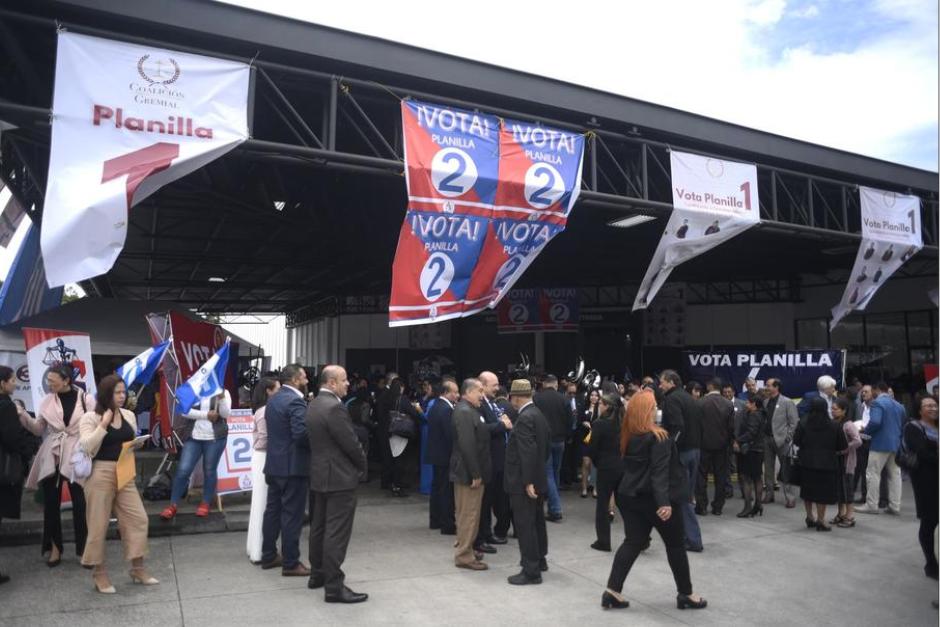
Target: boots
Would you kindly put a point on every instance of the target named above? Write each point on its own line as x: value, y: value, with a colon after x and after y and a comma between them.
x: 748, y: 507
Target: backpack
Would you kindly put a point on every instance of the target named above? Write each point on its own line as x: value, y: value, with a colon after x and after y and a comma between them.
x: 904, y: 457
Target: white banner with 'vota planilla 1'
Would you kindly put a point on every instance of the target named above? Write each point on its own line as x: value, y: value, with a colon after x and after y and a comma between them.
x: 127, y: 120
x: 713, y: 201
x: 891, y: 235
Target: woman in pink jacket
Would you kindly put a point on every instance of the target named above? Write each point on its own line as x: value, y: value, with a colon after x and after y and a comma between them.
x: 58, y: 417
x: 840, y: 413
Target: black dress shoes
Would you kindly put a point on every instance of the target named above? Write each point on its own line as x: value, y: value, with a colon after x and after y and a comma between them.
x: 345, y: 596
x: 524, y: 580
x: 485, y: 548
x: 498, y: 540
x: 685, y: 602
x: 315, y: 582
x: 550, y: 517
x: 543, y: 565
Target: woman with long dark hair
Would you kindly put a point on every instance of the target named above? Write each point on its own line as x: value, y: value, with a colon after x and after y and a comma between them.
x: 105, y: 433
x: 59, y: 413
x: 841, y: 413
x: 604, y: 451
x: 819, y: 440
x: 652, y: 488
x: 588, y: 416
x: 264, y: 389
x: 749, y: 446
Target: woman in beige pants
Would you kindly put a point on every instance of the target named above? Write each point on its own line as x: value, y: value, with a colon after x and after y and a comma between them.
x: 103, y: 434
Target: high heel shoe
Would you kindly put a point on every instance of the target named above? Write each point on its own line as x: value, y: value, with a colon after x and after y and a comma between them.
x: 821, y: 526
x: 835, y: 521
x: 757, y: 511
x: 810, y: 522
x: 102, y: 583
x: 141, y: 576
x: 52, y: 563
x: 685, y: 602
x: 611, y: 601
x: 748, y: 508
x: 583, y: 494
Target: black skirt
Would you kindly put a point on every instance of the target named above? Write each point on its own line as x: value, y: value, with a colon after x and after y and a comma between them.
x: 751, y: 465
x: 819, y: 486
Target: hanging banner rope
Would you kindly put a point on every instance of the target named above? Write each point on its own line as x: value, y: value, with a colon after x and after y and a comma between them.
x: 451, y: 167
x: 539, y: 182
x: 891, y: 235
x: 714, y: 200
x: 127, y: 120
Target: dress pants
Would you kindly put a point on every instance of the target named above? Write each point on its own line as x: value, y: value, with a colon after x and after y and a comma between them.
x: 103, y: 498
x: 693, y: 533
x: 861, y: 466
x: 529, y: 522
x: 52, y: 514
x: 607, y: 483
x: 284, y: 515
x: 715, y: 462
x: 442, y: 501
x: 467, y: 502
x: 639, y: 518
x: 259, y: 499
x: 771, y: 455
x: 331, y: 522
x: 495, y: 505
x: 876, y: 461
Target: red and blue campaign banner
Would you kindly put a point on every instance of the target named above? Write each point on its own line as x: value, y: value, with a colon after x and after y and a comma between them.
x: 547, y: 309
x: 539, y: 182
x: 451, y: 168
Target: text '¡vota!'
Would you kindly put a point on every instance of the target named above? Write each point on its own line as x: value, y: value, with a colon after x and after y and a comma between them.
x: 761, y: 360
x: 172, y: 125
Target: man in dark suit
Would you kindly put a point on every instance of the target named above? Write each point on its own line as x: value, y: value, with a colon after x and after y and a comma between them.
x: 528, y: 451
x: 440, y: 447
x: 717, y: 435
x: 682, y: 418
x: 337, y: 463
x: 495, y: 502
x: 286, y: 469
x: 552, y: 405
x: 469, y: 470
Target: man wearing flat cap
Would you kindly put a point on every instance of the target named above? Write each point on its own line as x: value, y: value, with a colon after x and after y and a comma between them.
x: 526, y: 483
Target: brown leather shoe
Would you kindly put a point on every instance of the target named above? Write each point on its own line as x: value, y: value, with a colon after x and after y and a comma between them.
x: 473, y: 565
x: 297, y: 571
x: 277, y: 561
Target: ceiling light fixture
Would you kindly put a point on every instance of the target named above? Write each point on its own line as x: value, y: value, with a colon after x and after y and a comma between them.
x: 626, y: 223
x: 216, y: 279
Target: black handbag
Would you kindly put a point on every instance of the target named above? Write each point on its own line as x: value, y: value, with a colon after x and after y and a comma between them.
x: 790, y: 468
x: 402, y: 425
x: 11, y: 468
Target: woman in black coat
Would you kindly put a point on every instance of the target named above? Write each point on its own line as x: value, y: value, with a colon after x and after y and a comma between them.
x: 920, y: 437
x: 653, y: 486
x: 749, y: 446
x: 819, y: 440
x: 18, y: 445
x: 604, y: 452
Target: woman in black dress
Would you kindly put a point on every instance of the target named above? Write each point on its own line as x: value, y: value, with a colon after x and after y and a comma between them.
x: 920, y: 437
x: 819, y: 440
x: 653, y: 487
x: 588, y: 416
x: 604, y: 451
x: 749, y: 445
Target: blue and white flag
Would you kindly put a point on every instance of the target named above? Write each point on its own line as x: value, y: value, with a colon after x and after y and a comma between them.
x: 141, y: 369
x: 206, y: 382
x: 24, y: 291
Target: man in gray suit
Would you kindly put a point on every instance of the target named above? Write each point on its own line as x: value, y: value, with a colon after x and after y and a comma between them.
x: 337, y: 462
x: 782, y: 418
x: 470, y: 469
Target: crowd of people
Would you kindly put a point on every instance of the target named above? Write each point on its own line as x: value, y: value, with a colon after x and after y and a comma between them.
x: 497, y: 454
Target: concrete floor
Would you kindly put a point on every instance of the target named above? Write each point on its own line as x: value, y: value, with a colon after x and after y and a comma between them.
x: 767, y: 571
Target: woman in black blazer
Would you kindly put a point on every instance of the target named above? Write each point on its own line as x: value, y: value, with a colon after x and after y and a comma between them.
x: 652, y: 488
x: 819, y: 439
x: 604, y: 451
x: 749, y: 445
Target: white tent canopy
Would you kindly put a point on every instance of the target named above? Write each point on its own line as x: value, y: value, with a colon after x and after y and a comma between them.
x: 116, y: 327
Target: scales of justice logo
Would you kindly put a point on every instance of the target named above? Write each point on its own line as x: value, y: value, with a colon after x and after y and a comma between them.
x: 159, y: 70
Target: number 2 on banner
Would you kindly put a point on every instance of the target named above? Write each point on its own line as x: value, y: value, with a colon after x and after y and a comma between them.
x: 544, y: 185
x: 241, y: 451
x: 436, y: 276
x: 505, y: 272
x: 453, y: 172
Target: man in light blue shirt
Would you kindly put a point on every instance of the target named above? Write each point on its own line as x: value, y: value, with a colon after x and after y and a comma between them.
x: 885, y: 424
